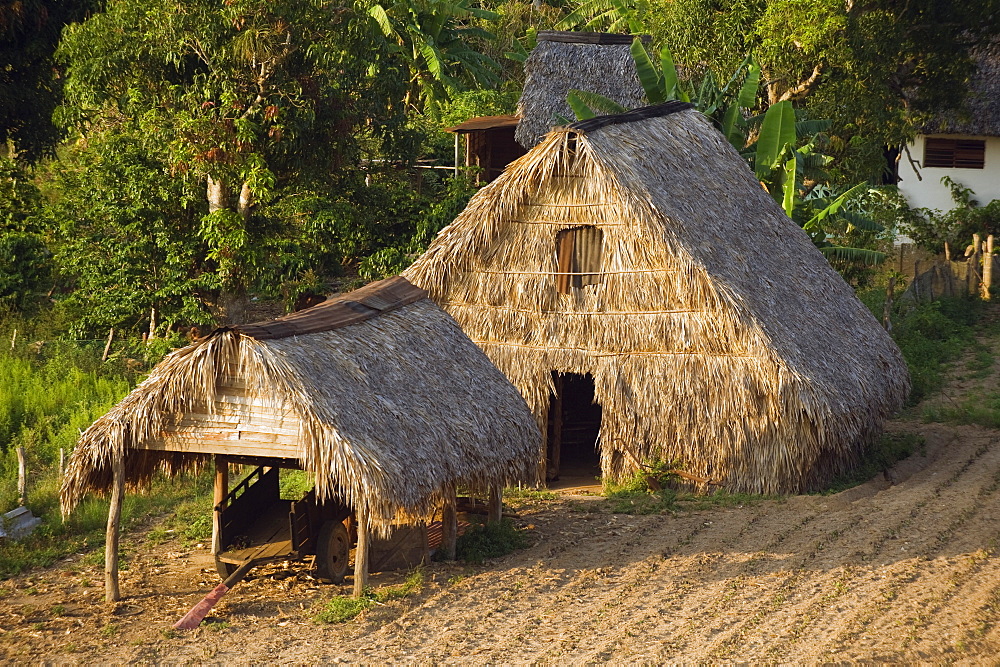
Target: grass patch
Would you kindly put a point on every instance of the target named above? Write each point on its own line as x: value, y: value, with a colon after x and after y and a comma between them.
x: 888, y: 450
x: 635, y: 497
x: 932, y: 335
x: 490, y: 540
x: 983, y: 410
x: 528, y: 493
x: 343, y: 608
x: 83, y: 530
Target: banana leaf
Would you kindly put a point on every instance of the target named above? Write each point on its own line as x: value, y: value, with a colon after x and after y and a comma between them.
x: 777, y: 131
x: 651, y: 80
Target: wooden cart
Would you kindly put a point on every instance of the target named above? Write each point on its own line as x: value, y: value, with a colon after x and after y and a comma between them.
x: 255, y: 525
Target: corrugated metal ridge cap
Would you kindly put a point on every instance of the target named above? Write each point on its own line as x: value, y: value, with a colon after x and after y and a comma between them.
x: 340, y: 311
x: 572, y: 37
x: 485, y: 123
x: 642, y: 113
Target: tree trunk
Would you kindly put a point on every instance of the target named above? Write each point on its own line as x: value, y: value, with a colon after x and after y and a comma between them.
x: 217, y: 194
x: 246, y: 201
x: 231, y: 307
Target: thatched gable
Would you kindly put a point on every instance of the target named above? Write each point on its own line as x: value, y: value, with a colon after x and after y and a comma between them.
x: 378, y: 392
x: 717, y: 336
x: 595, y: 62
x: 982, y: 114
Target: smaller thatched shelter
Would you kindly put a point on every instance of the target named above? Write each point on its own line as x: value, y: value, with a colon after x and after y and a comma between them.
x: 378, y: 393
x: 562, y: 61
x: 489, y: 144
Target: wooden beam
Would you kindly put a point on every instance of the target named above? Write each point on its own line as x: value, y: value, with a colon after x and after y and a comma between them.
x: 111, y: 590
x: 449, y: 524
x: 219, y: 491
x: 361, y: 559
x: 495, y: 504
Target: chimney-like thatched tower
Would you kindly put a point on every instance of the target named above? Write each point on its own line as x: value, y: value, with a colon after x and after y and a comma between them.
x: 562, y: 61
x: 636, y: 256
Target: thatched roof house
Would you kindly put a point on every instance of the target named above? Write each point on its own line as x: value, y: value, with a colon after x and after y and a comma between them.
x: 378, y: 393
x: 562, y: 61
x: 638, y: 253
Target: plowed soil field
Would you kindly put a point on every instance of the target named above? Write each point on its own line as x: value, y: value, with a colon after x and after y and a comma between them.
x: 902, y: 568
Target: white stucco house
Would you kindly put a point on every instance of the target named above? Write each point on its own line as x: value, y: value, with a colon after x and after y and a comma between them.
x: 965, y: 148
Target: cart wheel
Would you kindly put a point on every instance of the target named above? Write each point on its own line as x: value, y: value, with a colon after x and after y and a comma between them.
x: 333, y: 551
x: 224, y: 569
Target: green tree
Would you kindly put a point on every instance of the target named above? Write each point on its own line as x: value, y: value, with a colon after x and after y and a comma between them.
x: 126, y: 237
x: 24, y: 257
x: 432, y: 37
x: 30, y: 80
x: 244, y: 99
x: 876, y: 69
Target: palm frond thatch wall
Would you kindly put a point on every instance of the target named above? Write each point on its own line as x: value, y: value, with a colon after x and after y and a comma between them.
x: 390, y: 410
x: 555, y: 67
x: 718, y: 337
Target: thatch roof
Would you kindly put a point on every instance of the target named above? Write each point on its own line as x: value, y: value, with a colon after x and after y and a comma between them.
x: 982, y: 113
x: 595, y: 62
x: 393, y: 401
x: 718, y: 336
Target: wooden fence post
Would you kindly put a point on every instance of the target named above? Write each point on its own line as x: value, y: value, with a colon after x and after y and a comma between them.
x: 22, y: 478
x: 107, y: 346
x: 111, y: 591
x: 987, y: 267
x: 13, y: 339
x: 62, y: 463
x: 887, y: 311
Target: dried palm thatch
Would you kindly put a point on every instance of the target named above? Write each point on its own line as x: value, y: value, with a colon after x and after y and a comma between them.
x: 982, y: 114
x: 717, y: 336
x: 379, y: 393
x: 595, y: 62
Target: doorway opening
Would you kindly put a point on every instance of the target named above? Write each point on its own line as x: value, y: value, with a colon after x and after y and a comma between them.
x: 574, y: 424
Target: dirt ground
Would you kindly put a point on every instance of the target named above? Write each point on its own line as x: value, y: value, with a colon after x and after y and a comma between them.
x: 902, y: 568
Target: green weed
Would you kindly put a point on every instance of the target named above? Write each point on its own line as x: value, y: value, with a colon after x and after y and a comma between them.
x: 216, y: 626
x: 343, y: 608
x: 490, y: 540
x: 528, y: 493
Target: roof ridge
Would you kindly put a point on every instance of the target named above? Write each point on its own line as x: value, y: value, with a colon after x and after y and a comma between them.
x: 641, y: 113
x: 336, y: 312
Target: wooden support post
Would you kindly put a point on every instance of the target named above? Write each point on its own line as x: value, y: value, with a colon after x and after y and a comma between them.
x: 219, y: 491
x: 495, y: 504
x: 62, y: 463
x: 361, y: 559
x: 107, y: 346
x: 449, y: 524
x: 13, y: 339
x: 987, y: 267
x: 111, y: 590
x: 457, y: 155
x: 22, y: 477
